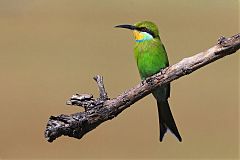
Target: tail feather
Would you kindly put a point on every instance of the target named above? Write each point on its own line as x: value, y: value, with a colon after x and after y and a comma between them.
x: 163, y: 130
x: 166, y: 120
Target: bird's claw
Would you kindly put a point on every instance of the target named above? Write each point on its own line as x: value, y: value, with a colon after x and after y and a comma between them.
x: 161, y: 71
x: 149, y: 80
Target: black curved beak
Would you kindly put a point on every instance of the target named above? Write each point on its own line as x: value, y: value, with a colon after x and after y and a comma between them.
x: 127, y: 26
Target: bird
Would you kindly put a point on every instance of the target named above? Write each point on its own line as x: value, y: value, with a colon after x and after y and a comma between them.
x: 151, y: 58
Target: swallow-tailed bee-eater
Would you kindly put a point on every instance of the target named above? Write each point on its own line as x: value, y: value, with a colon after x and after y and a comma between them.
x: 151, y: 58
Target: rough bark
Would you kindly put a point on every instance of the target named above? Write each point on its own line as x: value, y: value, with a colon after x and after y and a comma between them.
x: 102, y: 109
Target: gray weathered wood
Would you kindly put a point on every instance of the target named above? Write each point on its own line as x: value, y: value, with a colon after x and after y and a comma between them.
x: 102, y: 109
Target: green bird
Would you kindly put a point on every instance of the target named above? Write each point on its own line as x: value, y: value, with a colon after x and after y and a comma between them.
x: 151, y: 58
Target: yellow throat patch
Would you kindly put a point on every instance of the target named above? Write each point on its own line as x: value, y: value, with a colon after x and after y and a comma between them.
x: 138, y: 35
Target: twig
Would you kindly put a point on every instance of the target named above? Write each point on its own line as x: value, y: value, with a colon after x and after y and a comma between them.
x: 103, y: 94
x: 102, y: 109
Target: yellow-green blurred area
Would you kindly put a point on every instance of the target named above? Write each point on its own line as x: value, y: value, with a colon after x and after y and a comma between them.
x: 51, y: 49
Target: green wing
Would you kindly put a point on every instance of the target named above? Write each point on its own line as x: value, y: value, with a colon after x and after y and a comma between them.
x: 151, y: 61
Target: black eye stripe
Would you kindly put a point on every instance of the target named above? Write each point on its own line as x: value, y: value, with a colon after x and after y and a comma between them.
x: 144, y: 29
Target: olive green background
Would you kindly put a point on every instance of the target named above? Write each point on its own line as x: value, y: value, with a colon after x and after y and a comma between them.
x: 51, y: 49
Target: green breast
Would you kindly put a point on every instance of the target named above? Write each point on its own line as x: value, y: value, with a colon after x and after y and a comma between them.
x: 151, y: 57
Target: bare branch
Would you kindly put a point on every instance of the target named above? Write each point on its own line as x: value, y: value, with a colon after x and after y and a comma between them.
x: 103, y: 109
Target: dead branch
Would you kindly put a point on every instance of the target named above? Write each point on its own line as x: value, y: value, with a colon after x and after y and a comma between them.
x: 102, y: 109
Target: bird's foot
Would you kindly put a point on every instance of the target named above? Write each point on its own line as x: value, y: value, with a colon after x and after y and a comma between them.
x: 149, y: 80
x: 162, y: 71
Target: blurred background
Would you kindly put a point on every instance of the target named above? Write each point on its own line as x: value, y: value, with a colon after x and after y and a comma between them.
x: 50, y: 50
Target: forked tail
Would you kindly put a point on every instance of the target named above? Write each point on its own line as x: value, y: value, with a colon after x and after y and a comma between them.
x: 166, y: 120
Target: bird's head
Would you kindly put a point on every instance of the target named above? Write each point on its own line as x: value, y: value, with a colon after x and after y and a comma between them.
x: 142, y: 31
